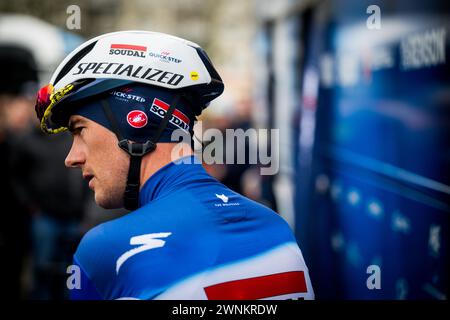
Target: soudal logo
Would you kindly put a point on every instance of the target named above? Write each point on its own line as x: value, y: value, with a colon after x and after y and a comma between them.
x: 164, y: 57
x: 178, y: 118
x: 128, y: 50
x: 137, y: 119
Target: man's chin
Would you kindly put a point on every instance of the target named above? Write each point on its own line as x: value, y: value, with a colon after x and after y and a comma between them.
x: 108, y: 203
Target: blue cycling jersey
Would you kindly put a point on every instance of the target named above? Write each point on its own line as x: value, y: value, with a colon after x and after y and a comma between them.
x: 192, y: 238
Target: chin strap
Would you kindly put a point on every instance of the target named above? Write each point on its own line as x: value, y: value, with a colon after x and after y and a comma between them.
x: 137, y: 151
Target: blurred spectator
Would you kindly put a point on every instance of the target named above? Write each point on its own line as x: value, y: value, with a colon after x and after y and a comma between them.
x: 32, y: 168
x: 14, y: 239
x: 20, y: 73
x: 38, y: 170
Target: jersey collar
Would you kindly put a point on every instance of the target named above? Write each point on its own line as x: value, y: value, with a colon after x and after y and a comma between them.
x: 171, y: 177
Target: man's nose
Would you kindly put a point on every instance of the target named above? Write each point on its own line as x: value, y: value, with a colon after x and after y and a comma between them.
x: 75, y: 158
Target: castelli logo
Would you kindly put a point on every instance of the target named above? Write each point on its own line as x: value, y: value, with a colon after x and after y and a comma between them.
x: 137, y: 119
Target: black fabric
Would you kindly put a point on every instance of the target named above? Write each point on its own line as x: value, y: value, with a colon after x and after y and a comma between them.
x: 112, y: 120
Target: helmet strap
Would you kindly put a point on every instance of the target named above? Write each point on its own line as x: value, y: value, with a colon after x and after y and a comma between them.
x: 136, y: 151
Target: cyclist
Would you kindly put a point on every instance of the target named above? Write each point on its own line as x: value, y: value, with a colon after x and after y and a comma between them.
x: 123, y: 96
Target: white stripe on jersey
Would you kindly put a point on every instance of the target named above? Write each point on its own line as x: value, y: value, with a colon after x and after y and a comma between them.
x: 284, y: 258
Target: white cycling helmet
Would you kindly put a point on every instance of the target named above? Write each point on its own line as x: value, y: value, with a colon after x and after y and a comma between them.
x: 115, y: 59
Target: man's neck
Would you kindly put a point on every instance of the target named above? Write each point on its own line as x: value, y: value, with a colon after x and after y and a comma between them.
x: 163, y: 154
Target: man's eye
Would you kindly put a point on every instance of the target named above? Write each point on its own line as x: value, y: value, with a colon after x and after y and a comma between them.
x: 78, y: 129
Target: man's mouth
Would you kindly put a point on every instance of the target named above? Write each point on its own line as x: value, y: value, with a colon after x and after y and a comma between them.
x: 89, y: 178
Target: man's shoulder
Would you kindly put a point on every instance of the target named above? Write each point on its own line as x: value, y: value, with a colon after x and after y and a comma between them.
x: 95, y: 240
x: 107, y: 234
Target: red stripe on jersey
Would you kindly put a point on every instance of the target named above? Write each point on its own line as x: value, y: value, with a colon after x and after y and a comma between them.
x: 128, y: 46
x: 259, y: 287
x: 177, y: 113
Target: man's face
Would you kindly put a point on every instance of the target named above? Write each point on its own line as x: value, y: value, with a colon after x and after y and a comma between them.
x: 95, y: 151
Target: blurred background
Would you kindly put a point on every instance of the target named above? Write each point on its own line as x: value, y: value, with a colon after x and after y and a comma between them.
x: 361, y: 98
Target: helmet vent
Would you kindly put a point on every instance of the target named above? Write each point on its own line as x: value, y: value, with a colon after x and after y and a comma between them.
x: 69, y: 65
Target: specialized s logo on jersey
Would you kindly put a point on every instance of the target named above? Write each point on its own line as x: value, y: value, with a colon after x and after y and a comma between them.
x: 147, y: 242
x: 178, y: 118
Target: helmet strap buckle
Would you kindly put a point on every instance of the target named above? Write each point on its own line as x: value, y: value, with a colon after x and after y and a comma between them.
x: 137, y: 149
